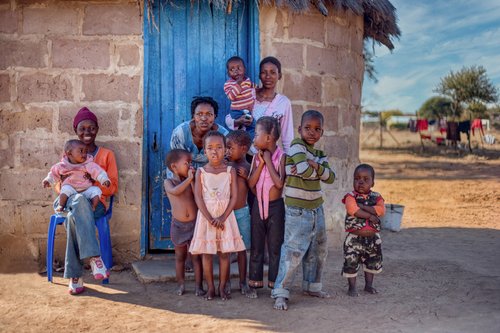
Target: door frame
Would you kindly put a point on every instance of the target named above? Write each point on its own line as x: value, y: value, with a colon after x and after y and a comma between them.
x: 151, y: 92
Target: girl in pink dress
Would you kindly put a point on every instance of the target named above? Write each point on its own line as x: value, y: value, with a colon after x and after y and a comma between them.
x: 216, y: 230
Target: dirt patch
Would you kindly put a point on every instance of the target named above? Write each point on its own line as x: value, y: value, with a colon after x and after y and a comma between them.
x: 441, y: 272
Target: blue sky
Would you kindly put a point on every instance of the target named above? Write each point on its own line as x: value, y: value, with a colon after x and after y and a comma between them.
x: 436, y: 37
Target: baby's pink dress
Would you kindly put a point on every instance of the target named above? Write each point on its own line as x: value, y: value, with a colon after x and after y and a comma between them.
x: 208, y: 239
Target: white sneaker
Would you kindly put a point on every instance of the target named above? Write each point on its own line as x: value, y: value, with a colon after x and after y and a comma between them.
x: 98, y: 269
x: 76, y: 286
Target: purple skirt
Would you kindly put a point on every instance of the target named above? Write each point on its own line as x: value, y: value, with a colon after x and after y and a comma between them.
x: 181, y: 233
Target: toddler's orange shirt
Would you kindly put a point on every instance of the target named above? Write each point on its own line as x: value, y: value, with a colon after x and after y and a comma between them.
x: 352, y: 207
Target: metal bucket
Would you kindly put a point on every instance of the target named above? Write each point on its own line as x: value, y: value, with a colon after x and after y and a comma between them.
x: 393, y: 217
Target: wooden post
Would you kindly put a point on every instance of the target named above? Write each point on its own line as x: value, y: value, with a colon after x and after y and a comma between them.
x: 468, y: 133
x: 381, y: 128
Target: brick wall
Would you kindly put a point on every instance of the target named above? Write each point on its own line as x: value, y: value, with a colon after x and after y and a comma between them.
x: 322, y: 65
x: 57, y: 56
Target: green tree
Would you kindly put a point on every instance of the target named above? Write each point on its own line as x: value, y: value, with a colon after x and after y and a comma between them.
x: 384, y: 115
x: 468, y: 85
x: 477, y: 110
x: 436, y: 107
x: 387, y: 114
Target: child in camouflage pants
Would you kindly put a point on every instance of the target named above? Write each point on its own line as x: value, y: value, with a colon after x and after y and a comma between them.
x: 363, y: 242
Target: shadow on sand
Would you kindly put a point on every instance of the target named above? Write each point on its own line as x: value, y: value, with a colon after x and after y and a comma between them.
x: 431, y: 276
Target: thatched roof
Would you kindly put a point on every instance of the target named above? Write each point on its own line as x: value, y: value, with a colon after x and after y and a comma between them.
x: 379, y: 15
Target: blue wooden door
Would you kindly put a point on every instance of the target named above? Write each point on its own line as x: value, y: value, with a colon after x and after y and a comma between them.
x: 186, y: 44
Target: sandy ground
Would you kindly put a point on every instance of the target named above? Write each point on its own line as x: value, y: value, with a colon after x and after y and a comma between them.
x: 441, y: 272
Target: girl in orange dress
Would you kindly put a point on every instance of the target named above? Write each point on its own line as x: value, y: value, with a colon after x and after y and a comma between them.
x: 216, y: 230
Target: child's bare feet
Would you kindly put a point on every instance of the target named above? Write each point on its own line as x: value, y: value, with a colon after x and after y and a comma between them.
x: 352, y: 292
x: 63, y: 199
x: 244, y: 289
x: 280, y: 304
x: 188, y: 268
x: 227, y: 288
x: 199, y: 291
x: 180, y: 290
x: 223, y: 294
x: 371, y: 290
x: 210, y: 294
x: 320, y: 294
x: 252, y: 293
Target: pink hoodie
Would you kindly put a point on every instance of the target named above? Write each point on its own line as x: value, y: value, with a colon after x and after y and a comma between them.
x: 75, y: 173
x: 265, y: 183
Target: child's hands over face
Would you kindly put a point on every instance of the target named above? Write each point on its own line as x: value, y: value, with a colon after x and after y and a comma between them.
x: 46, y: 184
x: 242, y: 172
x: 107, y: 183
x: 191, y: 172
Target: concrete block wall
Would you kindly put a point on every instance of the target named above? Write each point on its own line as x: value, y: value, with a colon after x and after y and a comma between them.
x: 322, y: 65
x: 57, y: 56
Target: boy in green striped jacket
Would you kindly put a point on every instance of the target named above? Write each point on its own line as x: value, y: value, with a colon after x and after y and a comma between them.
x: 305, y: 233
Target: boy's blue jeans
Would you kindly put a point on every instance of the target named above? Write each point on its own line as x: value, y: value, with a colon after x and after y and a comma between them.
x: 81, y: 240
x: 235, y: 114
x: 305, y: 242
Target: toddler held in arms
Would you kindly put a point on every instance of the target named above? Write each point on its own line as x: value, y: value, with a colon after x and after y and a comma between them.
x: 241, y: 92
x: 77, y: 172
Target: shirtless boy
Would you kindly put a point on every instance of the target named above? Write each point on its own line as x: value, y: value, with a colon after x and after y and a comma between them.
x: 179, y: 191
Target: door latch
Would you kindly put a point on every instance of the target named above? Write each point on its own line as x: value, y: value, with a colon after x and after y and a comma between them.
x: 155, y: 143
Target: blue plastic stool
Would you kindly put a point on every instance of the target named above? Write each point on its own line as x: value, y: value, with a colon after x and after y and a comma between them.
x: 102, y: 225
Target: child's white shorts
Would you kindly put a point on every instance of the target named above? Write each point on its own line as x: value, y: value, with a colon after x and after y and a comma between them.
x: 89, y: 193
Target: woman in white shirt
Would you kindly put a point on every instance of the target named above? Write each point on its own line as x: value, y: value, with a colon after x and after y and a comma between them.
x: 269, y: 103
